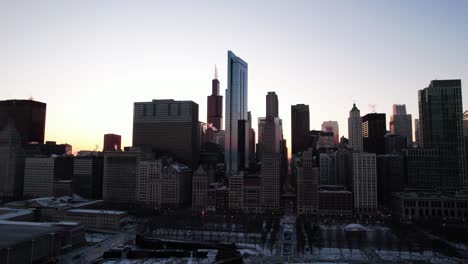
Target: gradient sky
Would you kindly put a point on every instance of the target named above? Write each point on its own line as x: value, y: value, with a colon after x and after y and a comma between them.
x: 90, y: 60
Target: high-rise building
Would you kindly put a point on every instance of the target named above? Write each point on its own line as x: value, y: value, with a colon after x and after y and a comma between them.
x: 465, y: 123
x: 401, y: 123
x: 252, y: 194
x: 441, y: 122
x: 11, y: 163
x: 271, y: 164
x: 307, y: 184
x: 236, y: 110
x: 390, y: 177
x: 149, y: 187
x: 373, y: 133
x: 168, y: 127
x: 28, y: 117
x: 42, y: 173
x: 332, y: 126
x: 355, y: 129
x: 417, y: 132
x: 364, y: 185
x: 88, y: 174
x: 394, y: 143
x: 236, y: 187
x: 423, y: 169
x: 199, y: 189
x: 328, y: 168
x: 215, y: 105
x: 112, y: 142
x: 300, y: 127
x: 271, y: 104
x: 120, y: 176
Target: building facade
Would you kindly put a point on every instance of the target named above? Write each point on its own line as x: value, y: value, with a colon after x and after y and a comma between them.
x: 168, y: 127
x: 215, y: 105
x: 199, y: 189
x: 355, y: 129
x: 441, y: 122
x: 364, y: 182
x: 300, y: 127
x: 373, y: 133
x: 120, y: 176
x: 332, y: 126
x: 236, y: 110
x: 112, y: 142
x: 88, y: 175
x: 401, y: 123
x: 307, y: 185
x: 28, y: 117
x: 11, y: 163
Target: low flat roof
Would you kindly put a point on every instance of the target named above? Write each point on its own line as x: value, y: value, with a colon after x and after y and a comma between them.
x: 8, y: 213
x: 92, y: 211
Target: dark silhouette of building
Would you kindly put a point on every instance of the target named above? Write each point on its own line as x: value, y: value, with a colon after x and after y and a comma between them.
x: 423, y: 169
x: 390, y: 177
x: 88, y: 175
x: 215, y: 105
x: 11, y: 163
x: 112, y: 142
x: 373, y: 132
x: 395, y: 143
x: 168, y: 127
x: 300, y: 126
x: 271, y: 104
x: 28, y: 116
x: 441, y: 123
x: 47, y: 149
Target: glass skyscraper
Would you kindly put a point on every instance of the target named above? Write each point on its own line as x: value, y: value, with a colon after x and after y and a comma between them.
x: 236, y: 113
x: 441, y: 123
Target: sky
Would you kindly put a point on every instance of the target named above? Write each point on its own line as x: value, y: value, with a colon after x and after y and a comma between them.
x: 91, y: 60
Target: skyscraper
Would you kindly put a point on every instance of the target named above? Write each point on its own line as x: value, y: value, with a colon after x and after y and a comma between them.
x: 364, y: 182
x: 28, y: 117
x: 271, y: 164
x: 87, y: 175
x: 199, y: 189
x: 307, y: 184
x: 11, y: 162
x: 215, y: 105
x: 400, y: 123
x: 373, y: 133
x: 417, y: 132
x: 236, y: 110
x: 441, y: 122
x: 120, y: 176
x: 168, y: 127
x: 271, y: 104
x: 300, y: 127
x: 355, y: 129
x: 332, y: 126
x: 112, y: 142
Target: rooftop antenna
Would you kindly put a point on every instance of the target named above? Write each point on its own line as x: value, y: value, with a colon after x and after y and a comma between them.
x: 216, y: 72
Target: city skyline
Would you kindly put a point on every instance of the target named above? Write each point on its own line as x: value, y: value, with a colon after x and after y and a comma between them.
x: 109, y: 73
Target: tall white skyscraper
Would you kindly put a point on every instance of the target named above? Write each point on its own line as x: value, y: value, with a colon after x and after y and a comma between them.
x: 237, y: 134
x: 355, y: 129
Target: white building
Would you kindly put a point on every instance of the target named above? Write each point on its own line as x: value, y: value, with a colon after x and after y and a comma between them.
x: 364, y: 182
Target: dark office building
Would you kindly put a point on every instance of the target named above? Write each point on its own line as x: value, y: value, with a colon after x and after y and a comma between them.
x: 29, y: 118
x: 215, y: 105
x: 441, y: 122
x: 300, y: 126
x: 48, y: 149
x: 112, y: 142
x: 11, y: 163
x: 271, y: 104
x: 390, y: 177
x: 373, y: 132
x: 169, y: 127
x: 394, y: 143
x: 88, y: 175
x: 423, y: 169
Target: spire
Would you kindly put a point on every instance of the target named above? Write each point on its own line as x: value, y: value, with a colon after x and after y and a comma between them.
x: 216, y: 73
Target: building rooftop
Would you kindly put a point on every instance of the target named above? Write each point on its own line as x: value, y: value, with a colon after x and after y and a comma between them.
x: 91, y: 211
x: 15, y: 232
x: 461, y: 194
x: 8, y: 213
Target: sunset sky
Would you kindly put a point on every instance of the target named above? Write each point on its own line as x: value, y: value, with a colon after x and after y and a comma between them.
x: 90, y: 60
